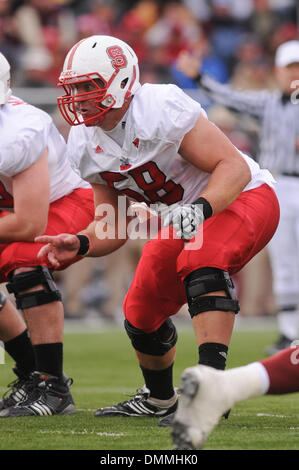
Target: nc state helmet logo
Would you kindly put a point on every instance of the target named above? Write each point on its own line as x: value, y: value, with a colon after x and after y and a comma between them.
x: 118, y: 59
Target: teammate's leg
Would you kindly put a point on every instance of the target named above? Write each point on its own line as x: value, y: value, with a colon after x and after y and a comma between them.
x: 283, y: 371
x: 39, y: 299
x: 14, y: 334
x: 202, y: 406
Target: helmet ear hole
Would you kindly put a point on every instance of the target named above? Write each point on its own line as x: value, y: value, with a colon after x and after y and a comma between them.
x: 124, y: 82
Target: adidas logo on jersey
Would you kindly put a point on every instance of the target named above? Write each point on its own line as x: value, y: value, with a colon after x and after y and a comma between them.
x: 98, y: 149
x: 136, y: 142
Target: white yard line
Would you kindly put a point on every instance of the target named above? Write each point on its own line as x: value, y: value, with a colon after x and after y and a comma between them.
x: 84, y: 432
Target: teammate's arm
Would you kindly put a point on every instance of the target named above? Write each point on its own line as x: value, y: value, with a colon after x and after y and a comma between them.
x: 31, y: 192
x: 206, y: 147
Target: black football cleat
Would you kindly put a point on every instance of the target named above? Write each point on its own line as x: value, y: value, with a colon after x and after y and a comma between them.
x: 18, y: 390
x: 139, y: 405
x: 47, y: 396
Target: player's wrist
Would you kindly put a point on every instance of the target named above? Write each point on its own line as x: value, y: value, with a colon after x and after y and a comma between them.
x: 84, y: 245
x: 207, y: 209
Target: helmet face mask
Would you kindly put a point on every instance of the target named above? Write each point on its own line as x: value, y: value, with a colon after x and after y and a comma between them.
x: 101, y: 71
x: 69, y: 103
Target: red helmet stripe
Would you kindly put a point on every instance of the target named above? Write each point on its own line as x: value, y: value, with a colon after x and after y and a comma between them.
x: 131, y: 84
x: 72, y: 53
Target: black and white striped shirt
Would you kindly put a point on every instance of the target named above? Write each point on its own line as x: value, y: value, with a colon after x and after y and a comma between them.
x: 278, y: 117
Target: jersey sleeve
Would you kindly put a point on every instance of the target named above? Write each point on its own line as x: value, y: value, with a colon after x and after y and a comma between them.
x: 175, y: 115
x: 24, y: 144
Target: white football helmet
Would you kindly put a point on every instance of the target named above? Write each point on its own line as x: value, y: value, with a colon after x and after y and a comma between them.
x: 110, y: 65
x: 5, y: 90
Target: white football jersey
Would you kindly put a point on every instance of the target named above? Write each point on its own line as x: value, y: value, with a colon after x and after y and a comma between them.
x: 140, y: 157
x: 25, y: 132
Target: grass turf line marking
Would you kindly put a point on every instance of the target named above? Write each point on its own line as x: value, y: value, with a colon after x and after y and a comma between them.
x: 84, y: 432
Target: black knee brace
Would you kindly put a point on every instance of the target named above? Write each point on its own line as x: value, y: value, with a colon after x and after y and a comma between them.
x: 28, y: 279
x: 157, y: 343
x: 3, y: 300
x: 205, y: 280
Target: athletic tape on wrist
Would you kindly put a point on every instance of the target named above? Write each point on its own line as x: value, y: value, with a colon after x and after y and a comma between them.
x: 206, y: 207
x: 84, y: 245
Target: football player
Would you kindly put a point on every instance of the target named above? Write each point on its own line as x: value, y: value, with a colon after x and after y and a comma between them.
x: 201, y: 405
x: 39, y: 193
x: 175, y: 157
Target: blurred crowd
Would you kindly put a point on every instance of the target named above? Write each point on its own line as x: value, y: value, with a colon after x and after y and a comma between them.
x: 235, y: 40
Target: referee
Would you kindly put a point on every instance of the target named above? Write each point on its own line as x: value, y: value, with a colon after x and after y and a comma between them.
x: 278, y: 115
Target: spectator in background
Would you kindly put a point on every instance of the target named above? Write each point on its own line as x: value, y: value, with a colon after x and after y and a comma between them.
x: 46, y: 30
x: 253, y: 70
x: 212, y: 65
x: 10, y: 44
x: 100, y: 19
x: 174, y: 31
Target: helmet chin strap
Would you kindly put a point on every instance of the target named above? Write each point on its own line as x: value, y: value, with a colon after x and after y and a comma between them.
x: 94, y: 121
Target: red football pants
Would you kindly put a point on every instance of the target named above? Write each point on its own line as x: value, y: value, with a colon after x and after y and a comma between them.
x: 70, y: 214
x: 230, y: 239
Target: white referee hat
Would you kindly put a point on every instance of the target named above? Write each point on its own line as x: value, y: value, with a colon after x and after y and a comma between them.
x: 287, y: 53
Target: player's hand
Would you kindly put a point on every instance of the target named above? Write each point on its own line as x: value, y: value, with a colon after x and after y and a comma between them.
x: 185, y: 220
x: 59, y: 248
x: 188, y: 64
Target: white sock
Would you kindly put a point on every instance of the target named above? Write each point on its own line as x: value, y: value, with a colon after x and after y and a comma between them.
x: 288, y: 324
x: 248, y: 381
x: 163, y: 403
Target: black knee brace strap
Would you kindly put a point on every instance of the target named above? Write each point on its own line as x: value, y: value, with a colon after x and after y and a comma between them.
x: 3, y: 299
x: 157, y: 343
x: 205, y: 280
x: 28, y: 279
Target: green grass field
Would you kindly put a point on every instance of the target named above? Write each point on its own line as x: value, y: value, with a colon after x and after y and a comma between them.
x: 104, y: 370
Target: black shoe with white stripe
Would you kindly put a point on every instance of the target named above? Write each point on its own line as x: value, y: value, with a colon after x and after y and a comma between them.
x: 47, y: 396
x: 139, y: 405
x: 17, y: 390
